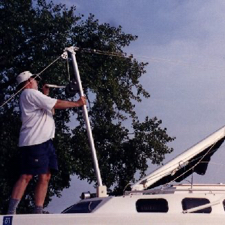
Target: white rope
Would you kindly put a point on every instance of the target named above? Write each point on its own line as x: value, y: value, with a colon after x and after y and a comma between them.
x: 9, y: 99
x: 48, y: 66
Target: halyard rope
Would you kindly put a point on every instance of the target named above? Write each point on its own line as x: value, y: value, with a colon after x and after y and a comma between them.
x: 36, y: 75
x: 86, y: 50
x: 115, y: 54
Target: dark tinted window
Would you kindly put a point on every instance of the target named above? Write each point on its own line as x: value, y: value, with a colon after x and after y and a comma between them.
x: 158, y: 205
x: 224, y: 205
x: 83, y: 207
x: 189, y: 203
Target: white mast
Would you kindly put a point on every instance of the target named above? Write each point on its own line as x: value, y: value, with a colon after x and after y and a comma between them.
x: 101, y: 190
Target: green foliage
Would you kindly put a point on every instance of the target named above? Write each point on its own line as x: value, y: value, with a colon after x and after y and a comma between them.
x: 32, y: 35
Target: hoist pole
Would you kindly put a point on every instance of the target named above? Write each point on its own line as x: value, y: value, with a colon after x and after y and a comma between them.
x: 101, y: 191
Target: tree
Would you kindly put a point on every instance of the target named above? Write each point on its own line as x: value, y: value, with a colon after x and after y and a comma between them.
x: 32, y: 35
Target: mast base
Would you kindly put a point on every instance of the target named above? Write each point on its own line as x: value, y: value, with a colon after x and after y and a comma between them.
x: 101, y: 191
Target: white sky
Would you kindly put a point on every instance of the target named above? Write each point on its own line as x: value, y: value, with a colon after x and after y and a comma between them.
x: 184, y: 43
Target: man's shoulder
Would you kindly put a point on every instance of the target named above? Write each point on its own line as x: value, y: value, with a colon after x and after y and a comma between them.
x: 30, y: 95
x: 31, y: 92
x: 36, y: 97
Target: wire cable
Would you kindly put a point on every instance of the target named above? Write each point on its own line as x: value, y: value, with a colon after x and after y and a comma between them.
x: 199, y: 161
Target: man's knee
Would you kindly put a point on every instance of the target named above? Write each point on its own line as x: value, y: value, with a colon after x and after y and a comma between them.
x: 26, y: 178
x: 45, y: 178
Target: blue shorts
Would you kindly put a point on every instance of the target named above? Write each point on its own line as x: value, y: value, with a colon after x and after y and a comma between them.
x: 38, y: 159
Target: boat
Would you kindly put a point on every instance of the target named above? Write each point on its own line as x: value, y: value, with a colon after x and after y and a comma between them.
x: 157, y: 199
x: 152, y: 200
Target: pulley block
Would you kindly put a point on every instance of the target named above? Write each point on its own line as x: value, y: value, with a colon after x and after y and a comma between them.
x: 72, y: 88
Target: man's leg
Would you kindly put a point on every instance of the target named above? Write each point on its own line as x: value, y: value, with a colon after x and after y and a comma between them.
x: 18, y: 191
x: 41, y: 191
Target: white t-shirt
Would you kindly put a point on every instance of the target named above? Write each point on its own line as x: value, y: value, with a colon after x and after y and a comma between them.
x: 38, y: 124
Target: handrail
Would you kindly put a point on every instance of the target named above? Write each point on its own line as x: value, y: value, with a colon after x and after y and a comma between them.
x: 201, y: 207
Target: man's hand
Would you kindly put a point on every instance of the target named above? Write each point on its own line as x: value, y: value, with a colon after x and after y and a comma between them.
x: 82, y: 101
x: 45, y: 90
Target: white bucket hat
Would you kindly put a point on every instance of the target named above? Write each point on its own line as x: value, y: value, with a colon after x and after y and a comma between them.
x: 26, y: 75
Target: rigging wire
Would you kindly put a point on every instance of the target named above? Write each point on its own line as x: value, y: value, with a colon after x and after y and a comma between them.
x: 68, y: 68
x: 199, y: 161
x: 161, y: 174
x: 114, y: 54
x: 99, y: 52
x: 154, y: 59
x: 86, y: 50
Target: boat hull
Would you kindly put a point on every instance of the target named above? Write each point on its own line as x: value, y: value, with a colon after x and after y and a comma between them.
x: 113, y: 219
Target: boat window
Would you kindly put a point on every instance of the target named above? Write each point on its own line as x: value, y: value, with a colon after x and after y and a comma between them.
x: 224, y: 204
x: 82, y: 207
x: 157, y: 205
x: 189, y: 203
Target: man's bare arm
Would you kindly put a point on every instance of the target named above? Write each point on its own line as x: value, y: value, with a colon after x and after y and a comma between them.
x: 63, y: 104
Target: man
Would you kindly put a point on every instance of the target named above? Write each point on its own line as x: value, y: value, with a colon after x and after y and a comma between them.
x: 38, y: 155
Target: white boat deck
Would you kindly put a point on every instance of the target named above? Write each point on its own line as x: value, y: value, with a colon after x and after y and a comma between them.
x: 159, y: 206
x: 182, y: 204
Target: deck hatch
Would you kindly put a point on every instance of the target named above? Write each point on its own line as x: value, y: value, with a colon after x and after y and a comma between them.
x: 158, y: 205
x: 82, y: 207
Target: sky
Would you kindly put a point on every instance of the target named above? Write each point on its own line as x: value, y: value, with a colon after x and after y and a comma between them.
x: 184, y: 43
